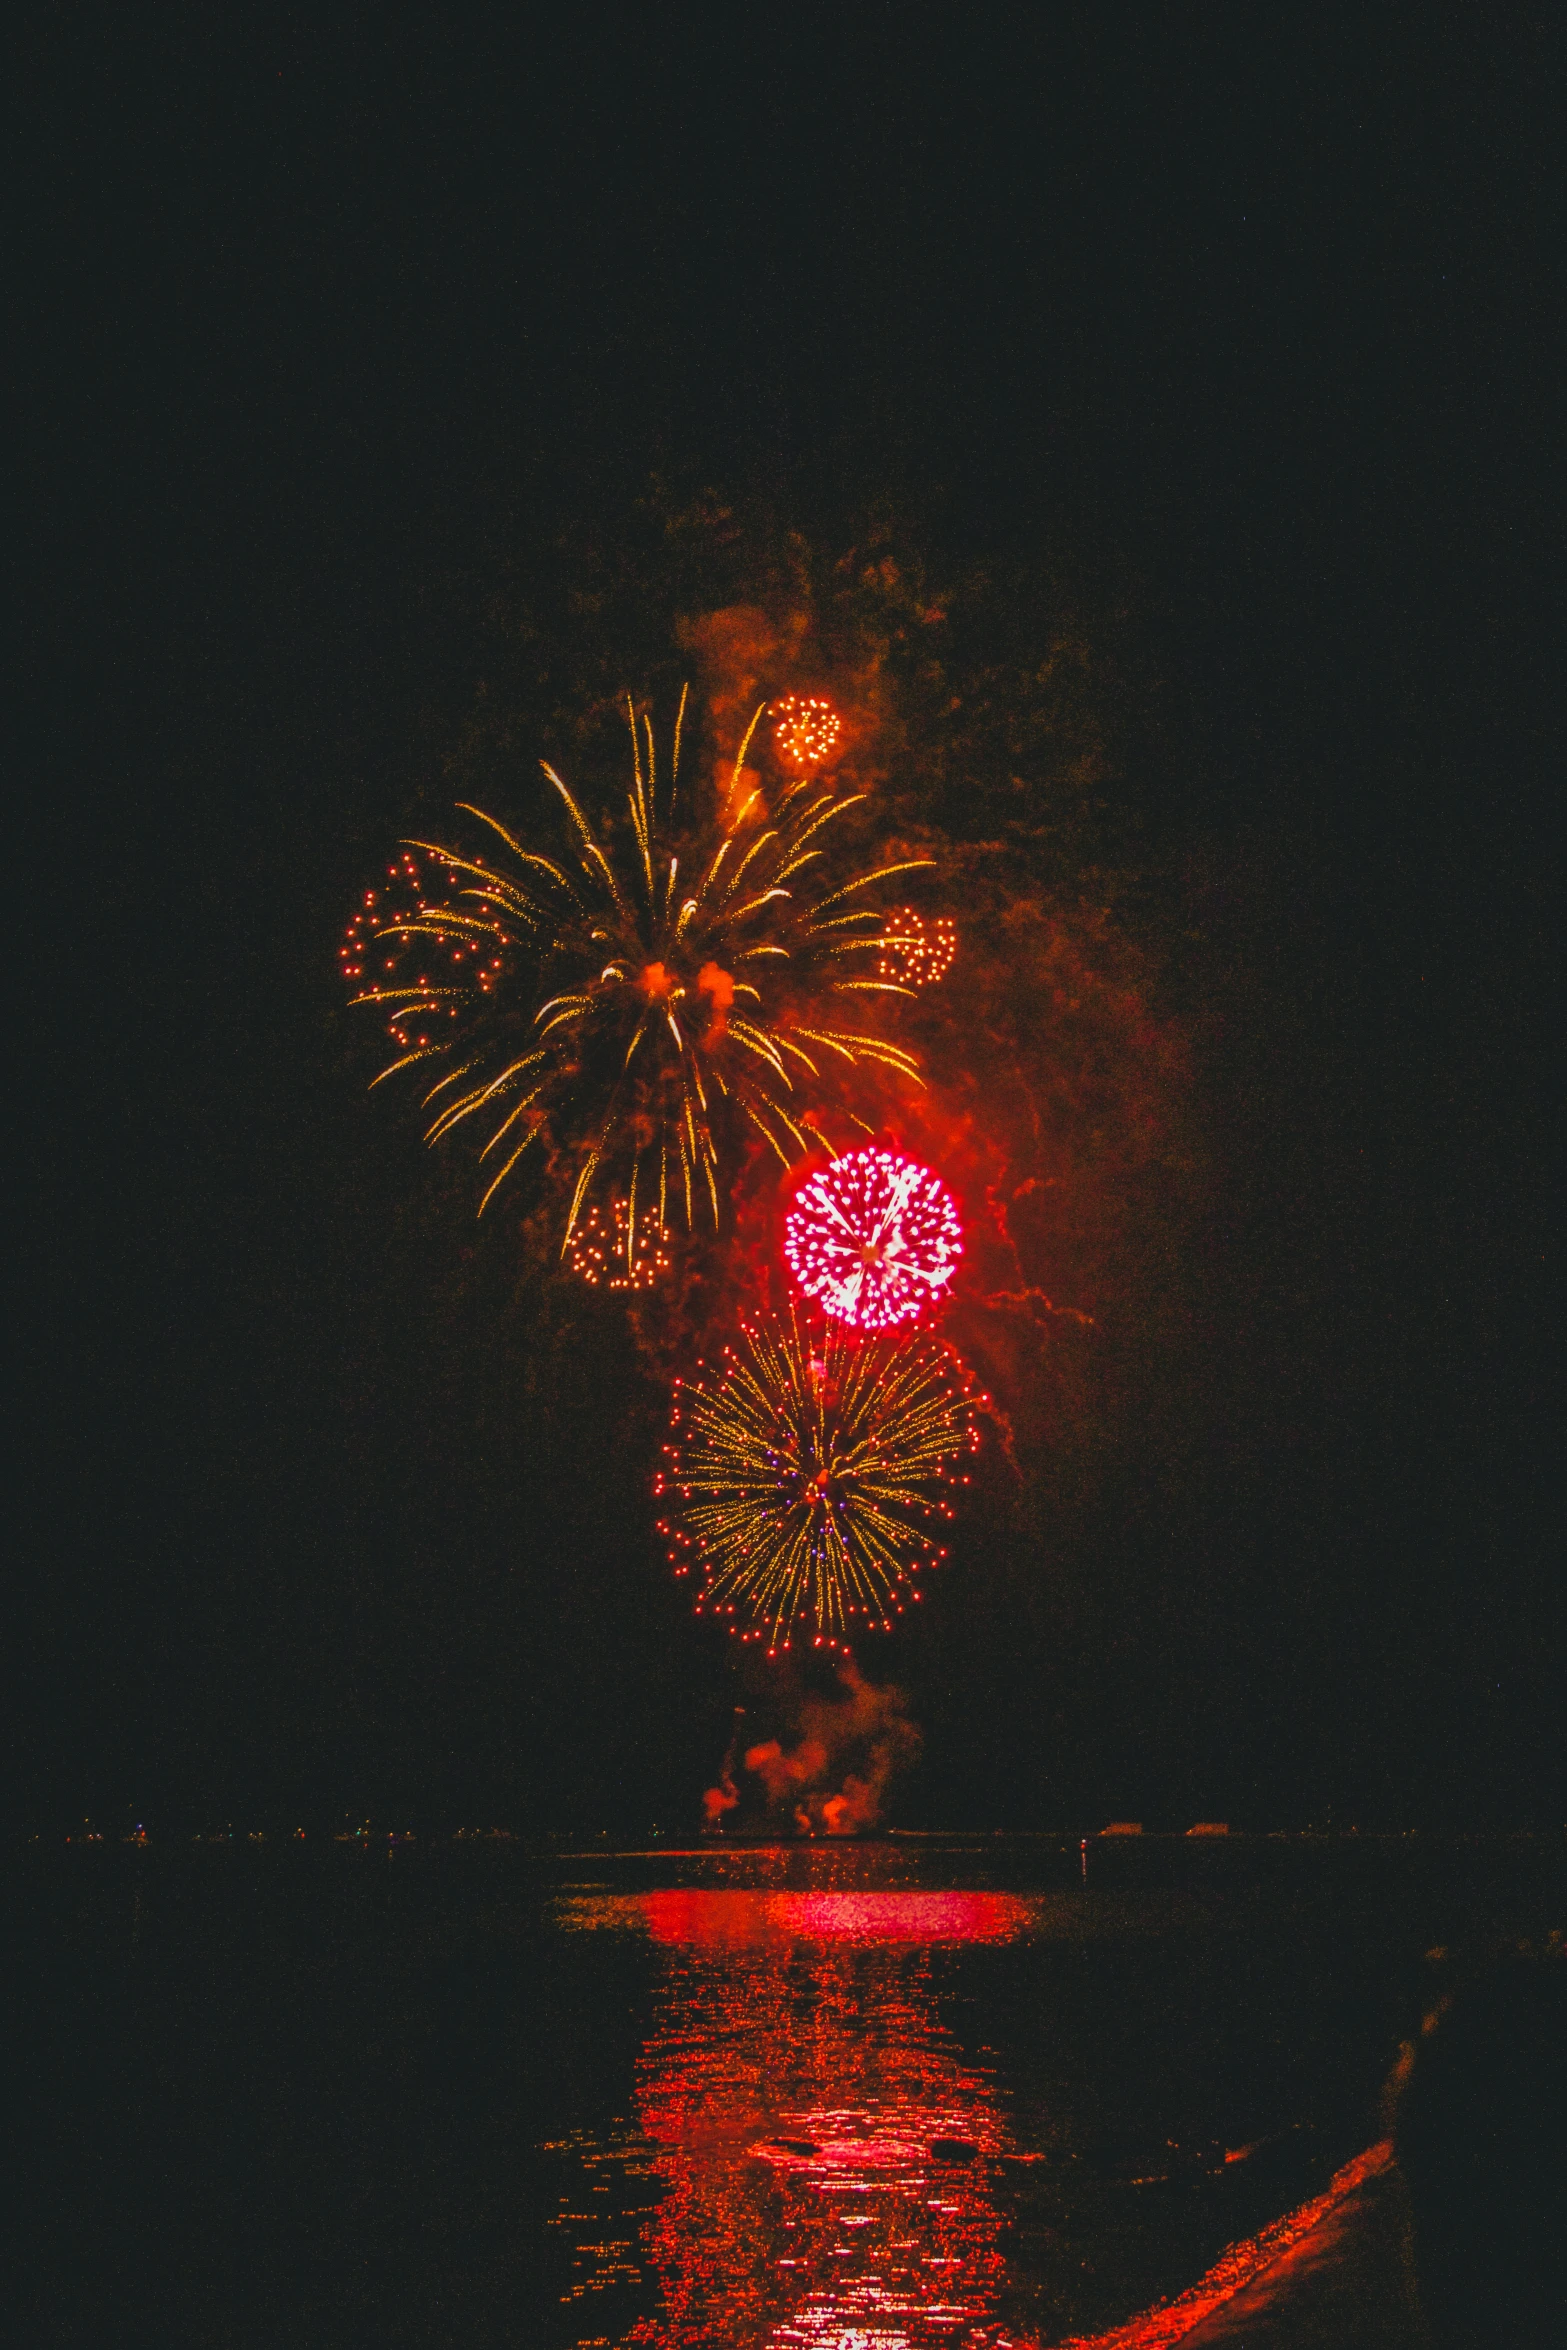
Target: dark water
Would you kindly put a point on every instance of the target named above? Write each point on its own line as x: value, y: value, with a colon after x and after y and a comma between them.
x: 881, y: 2095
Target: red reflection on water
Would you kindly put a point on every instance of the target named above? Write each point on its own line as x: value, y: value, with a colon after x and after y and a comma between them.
x: 706, y: 1918
x: 826, y: 2151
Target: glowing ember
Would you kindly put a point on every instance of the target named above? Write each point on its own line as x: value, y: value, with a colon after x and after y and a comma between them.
x: 805, y: 731
x: 608, y: 1251
x: 874, y: 1237
x: 914, y: 952
x: 801, y: 1478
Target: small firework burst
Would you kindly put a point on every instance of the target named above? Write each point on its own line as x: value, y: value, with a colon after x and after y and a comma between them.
x: 805, y: 1473
x: 916, y: 952
x: 391, y: 955
x: 610, y: 1249
x: 805, y: 732
x: 874, y: 1238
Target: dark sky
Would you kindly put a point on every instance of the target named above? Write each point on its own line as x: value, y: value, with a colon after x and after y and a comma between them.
x: 1250, y: 321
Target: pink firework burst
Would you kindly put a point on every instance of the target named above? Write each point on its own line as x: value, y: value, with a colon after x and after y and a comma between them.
x: 874, y: 1237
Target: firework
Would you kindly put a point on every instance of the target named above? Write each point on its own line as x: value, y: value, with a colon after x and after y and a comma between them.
x: 803, y: 1477
x: 916, y: 952
x: 874, y: 1238
x: 390, y: 942
x: 608, y: 1251
x: 805, y: 732
x: 641, y: 1014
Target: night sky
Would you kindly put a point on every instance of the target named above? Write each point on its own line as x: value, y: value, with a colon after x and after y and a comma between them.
x: 1229, y: 335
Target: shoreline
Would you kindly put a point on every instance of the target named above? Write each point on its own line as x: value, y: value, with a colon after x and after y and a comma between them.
x: 1332, y: 2271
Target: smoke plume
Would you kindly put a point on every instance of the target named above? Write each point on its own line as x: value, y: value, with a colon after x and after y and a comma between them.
x: 726, y: 1795
x: 833, y: 1777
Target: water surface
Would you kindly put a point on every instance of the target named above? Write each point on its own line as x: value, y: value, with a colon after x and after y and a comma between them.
x: 878, y: 2096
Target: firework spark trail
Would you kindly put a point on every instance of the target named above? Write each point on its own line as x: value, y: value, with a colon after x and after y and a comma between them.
x: 804, y: 1477
x: 652, y: 1009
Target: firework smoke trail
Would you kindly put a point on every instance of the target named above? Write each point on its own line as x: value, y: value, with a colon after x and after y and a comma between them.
x: 804, y: 1476
x: 641, y: 1014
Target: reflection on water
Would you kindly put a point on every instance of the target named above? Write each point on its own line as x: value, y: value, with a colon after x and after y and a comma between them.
x: 723, y: 1919
x: 827, y: 2155
x: 850, y: 2105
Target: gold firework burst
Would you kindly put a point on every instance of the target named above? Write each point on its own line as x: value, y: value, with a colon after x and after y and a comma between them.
x: 638, y: 1009
x: 803, y: 1476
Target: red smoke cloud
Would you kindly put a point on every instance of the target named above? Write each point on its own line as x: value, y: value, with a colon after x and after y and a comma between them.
x: 833, y: 1779
x: 726, y: 1794
x: 713, y: 980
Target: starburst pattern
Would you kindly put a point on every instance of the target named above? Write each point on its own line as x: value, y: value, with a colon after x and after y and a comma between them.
x: 874, y: 1237
x: 642, y: 1008
x: 803, y: 1475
